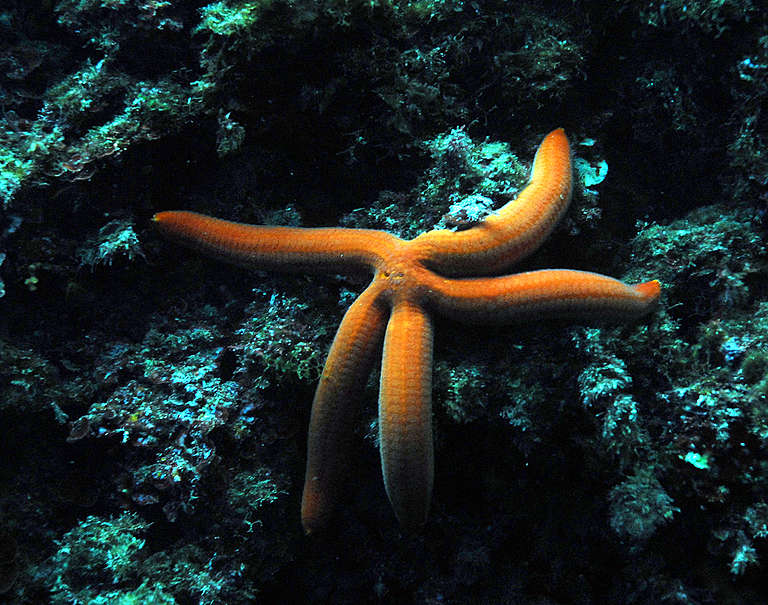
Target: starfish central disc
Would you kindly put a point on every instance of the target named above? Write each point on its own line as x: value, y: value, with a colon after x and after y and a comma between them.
x: 402, y: 276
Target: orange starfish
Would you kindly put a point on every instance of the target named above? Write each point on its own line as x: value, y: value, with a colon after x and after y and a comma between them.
x: 411, y: 281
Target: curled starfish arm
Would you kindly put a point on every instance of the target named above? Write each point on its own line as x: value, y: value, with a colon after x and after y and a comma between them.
x: 515, y: 230
x: 405, y: 414
x: 283, y: 248
x: 333, y: 410
x: 541, y: 294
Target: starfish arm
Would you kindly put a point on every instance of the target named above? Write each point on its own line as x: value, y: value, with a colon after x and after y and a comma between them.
x: 405, y: 415
x: 539, y: 294
x: 283, y: 248
x: 343, y: 379
x: 515, y: 230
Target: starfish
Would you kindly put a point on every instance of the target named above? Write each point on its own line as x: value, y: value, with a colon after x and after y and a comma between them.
x: 412, y: 281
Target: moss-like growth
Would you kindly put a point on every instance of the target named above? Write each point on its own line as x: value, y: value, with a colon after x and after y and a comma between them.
x: 28, y: 381
x: 285, y: 336
x: 249, y: 492
x: 466, y: 182
x: 463, y: 168
x: 169, y: 397
x: 105, y: 561
x: 97, y: 555
x: 715, y: 249
x: 754, y: 366
x: 711, y: 16
x: 188, y: 574
x: 230, y: 18
x: 640, y: 505
x: 465, y: 396
x: 116, y: 239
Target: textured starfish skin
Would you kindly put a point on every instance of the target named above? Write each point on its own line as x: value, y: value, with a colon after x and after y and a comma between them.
x: 411, y: 281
